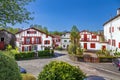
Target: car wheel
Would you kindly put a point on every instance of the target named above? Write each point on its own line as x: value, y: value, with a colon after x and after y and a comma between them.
x: 119, y: 69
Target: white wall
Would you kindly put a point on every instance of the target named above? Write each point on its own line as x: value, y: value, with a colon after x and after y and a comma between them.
x: 116, y: 34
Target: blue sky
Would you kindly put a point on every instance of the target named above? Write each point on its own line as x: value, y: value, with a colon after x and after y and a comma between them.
x: 61, y: 15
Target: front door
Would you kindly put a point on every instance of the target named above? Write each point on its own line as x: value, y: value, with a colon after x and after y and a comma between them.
x: 103, y: 47
x: 85, y: 45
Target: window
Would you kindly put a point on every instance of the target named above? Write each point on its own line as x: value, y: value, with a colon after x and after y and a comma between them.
x: 37, y: 40
x: 92, y: 45
x: 26, y: 48
x: 94, y: 36
x: 65, y: 40
x: 31, y: 32
x: 28, y: 40
x: 46, y: 42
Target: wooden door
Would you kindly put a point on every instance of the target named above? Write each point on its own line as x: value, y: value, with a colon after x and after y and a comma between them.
x: 85, y: 45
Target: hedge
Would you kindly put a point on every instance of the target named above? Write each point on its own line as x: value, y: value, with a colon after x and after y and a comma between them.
x: 31, y: 55
x: 24, y: 55
x: 46, y: 53
x: 106, y: 58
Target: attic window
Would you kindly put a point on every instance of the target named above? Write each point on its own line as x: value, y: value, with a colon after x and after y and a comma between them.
x: 31, y: 32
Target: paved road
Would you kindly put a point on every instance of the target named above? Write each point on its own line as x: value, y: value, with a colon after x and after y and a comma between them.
x: 101, y: 70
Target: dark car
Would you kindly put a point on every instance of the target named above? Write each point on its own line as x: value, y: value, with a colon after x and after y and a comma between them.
x: 22, y: 70
x: 94, y: 78
x: 116, y: 62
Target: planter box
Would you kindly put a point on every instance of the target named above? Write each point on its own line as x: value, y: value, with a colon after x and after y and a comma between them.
x: 76, y: 58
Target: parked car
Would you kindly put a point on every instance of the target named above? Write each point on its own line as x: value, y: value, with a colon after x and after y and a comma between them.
x: 116, y: 62
x: 92, y: 77
x: 22, y: 70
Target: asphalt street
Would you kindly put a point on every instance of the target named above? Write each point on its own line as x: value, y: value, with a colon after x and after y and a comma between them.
x: 101, y: 70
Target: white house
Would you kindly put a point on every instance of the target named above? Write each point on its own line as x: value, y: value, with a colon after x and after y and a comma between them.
x: 88, y: 41
x: 112, y: 32
x: 32, y: 39
x: 92, y: 41
x: 65, y: 40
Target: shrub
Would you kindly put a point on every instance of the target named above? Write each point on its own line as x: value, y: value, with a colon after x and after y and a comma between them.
x: 8, y: 68
x: 72, y: 49
x: 59, y: 48
x: 103, y: 53
x: 106, y: 58
x: 24, y: 55
x: 28, y: 77
x: 8, y: 53
x: 45, y: 53
x: 58, y: 70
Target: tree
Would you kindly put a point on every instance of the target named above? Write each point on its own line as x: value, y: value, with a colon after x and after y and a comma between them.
x: 74, y: 47
x: 14, y: 11
x: 58, y: 70
x: 75, y: 36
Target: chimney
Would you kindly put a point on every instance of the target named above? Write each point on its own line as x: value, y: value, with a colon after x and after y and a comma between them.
x: 118, y: 11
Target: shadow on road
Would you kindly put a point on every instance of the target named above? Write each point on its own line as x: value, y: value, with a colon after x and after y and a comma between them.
x: 93, y: 77
x: 59, y: 54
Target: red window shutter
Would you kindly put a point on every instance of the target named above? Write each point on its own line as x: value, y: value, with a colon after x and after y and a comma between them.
x: 92, y: 45
x: 114, y: 42
x: 34, y: 40
x: 44, y: 42
x: 46, y: 36
x: 24, y: 40
x: 30, y: 40
x: 109, y: 29
x: 109, y: 41
x: 112, y: 29
x: 40, y: 40
x: 29, y: 48
x: 119, y: 45
x: 48, y: 41
x: 22, y: 48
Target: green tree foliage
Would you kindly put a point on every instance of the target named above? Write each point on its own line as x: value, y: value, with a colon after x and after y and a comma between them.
x: 56, y: 33
x: 14, y: 11
x: 10, y: 29
x: 58, y: 70
x: 75, y: 36
x: 40, y: 27
x: 8, y: 68
x: 74, y: 47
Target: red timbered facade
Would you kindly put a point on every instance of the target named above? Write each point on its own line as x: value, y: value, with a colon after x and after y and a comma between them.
x: 33, y: 39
